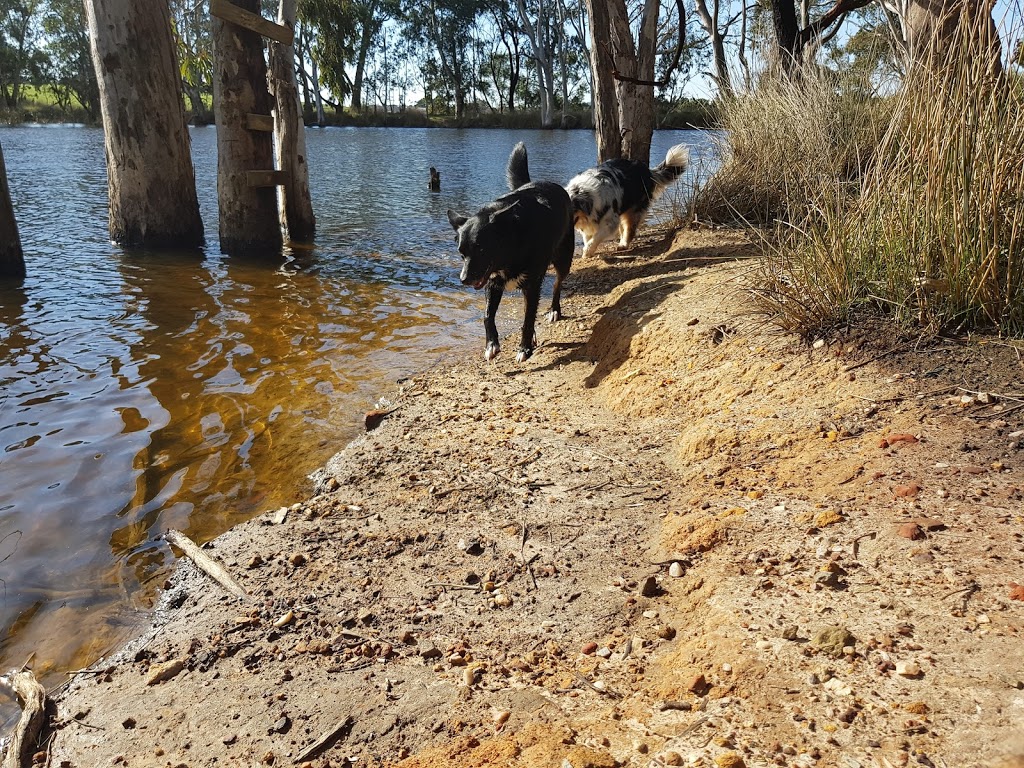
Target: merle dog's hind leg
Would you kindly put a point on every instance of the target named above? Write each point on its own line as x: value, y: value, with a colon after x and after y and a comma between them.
x: 562, y: 264
x: 494, y: 290
x: 531, y: 296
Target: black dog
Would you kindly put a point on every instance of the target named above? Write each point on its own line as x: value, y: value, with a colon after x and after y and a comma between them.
x: 512, y: 241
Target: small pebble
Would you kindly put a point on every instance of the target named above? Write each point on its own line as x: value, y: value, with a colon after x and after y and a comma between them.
x: 907, y: 669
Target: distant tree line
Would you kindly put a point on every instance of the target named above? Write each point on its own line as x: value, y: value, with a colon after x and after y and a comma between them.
x: 469, y: 58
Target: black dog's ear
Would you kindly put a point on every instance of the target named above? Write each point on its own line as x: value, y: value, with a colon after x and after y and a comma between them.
x: 506, y: 209
x: 456, y: 219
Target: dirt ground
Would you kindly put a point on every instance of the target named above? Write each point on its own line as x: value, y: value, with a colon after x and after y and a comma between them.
x: 675, y: 536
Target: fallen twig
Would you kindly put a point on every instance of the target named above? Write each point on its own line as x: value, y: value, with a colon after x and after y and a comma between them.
x: 206, y: 564
x: 33, y: 713
x: 449, y: 585
x: 327, y: 738
x: 603, y: 691
x: 856, y: 542
x: 895, y: 350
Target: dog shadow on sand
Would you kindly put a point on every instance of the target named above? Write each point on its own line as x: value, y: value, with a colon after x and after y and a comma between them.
x: 608, y: 344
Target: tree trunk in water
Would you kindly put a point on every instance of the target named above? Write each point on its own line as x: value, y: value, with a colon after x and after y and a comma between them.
x: 248, y: 215
x: 12, y: 261
x: 150, y: 176
x: 606, y: 112
x: 200, y: 114
x: 321, y: 119
x: 296, y: 205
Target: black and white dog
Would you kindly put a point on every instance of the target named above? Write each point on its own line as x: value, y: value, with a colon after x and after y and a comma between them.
x: 511, y: 242
x: 616, y: 195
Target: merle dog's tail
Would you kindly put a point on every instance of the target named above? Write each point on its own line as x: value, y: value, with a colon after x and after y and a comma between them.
x: 677, y: 160
x: 518, y: 172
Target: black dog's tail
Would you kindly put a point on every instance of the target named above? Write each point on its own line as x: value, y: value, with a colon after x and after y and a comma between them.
x: 677, y: 159
x: 518, y: 173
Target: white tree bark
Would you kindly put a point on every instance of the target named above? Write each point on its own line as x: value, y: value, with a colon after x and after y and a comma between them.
x: 295, y: 203
x: 150, y: 178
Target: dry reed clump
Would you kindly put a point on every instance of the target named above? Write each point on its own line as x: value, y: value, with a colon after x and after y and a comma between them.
x: 786, y: 139
x: 933, y: 234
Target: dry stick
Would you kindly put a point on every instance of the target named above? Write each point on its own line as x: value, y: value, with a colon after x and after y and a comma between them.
x: 522, y: 554
x: 895, y: 350
x: 856, y: 542
x: 33, y: 702
x: 206, y: 564
x: 326, y: 739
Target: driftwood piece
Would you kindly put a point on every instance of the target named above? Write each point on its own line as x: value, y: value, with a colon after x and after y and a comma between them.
x: 33, y: 713
x: 326, y: 739
x: 206, y: 564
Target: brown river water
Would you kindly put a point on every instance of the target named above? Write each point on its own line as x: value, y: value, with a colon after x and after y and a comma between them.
x: 146, y: 391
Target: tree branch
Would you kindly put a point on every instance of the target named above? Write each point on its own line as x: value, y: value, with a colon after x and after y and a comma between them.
x: 836, y: 13
x: 675, y: 56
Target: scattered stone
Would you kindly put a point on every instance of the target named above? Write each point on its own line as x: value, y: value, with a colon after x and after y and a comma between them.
x: 828, y: 517
x: 792, y: 632
x: 159, y: 673
x: 666, y: 632
x: 838, y: 687
x: 901, y: 438
x: 430, y: 651
x: 297, y: 559
x: 676, y: 570
x: 907, y: 491
x: 604, y: 653
x: 908, y: 669
x: 649, y: 587
x: 502, y: 600
x: 910, y: 531
x: 128, y: 723
x: 671, y: 758
x: 917, y: 708
x: 730, y: 760
x: 832, y: 640
x: 589, y: 649
x: 698, y: 685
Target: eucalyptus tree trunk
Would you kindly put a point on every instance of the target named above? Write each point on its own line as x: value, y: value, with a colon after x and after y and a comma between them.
x: 295, y: 203
x: 636, y: 102
x: 248, y: 214
x: 602, y: 63
x: 150, y: 178
x: 321, y: 118
x: 12, y: 261
x: 709, y: 20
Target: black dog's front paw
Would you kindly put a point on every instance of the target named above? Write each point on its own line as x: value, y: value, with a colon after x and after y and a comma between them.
x: 491, y: 351
x: 525, y: 353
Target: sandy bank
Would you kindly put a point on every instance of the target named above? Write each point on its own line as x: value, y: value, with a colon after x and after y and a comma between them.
x: 671, y: 537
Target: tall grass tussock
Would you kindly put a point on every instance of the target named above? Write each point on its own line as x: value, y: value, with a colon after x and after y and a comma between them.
x: 911, y: 205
